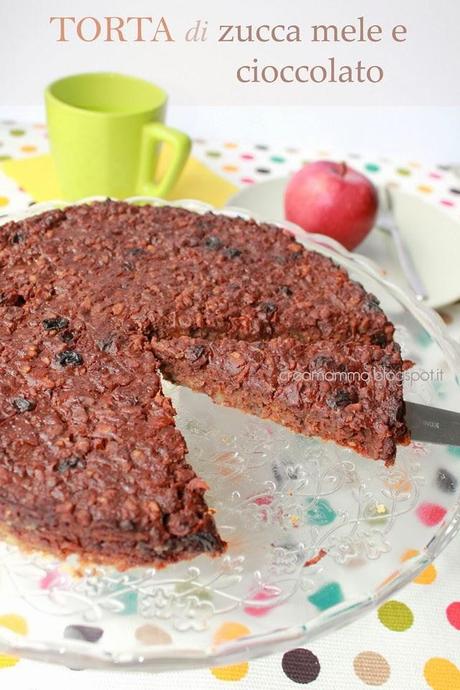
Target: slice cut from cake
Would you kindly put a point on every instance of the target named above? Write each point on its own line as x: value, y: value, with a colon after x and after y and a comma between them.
x: 90, y: 459
x: 350, y: 393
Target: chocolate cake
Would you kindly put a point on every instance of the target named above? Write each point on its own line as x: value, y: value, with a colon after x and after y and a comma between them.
x: 338, y: 391
x: 96, y: 299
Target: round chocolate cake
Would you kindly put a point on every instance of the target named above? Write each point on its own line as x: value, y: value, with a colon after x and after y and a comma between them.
x: 96, y: 300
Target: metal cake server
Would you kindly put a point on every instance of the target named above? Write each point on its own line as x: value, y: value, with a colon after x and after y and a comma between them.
x: 432, y: 425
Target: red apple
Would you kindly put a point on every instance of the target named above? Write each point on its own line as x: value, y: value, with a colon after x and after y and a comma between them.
x: 332, y: 199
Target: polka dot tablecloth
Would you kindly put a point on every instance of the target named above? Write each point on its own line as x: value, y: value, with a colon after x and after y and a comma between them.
x: 411, y: 642
x: 245, y: 165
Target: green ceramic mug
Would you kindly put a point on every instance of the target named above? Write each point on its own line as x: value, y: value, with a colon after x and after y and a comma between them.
x: 105, y: 133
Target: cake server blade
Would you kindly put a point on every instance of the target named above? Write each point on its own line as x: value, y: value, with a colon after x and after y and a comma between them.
x: 432, y: 425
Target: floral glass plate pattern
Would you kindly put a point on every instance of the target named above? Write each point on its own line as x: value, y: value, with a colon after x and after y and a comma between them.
x: 317, y: 535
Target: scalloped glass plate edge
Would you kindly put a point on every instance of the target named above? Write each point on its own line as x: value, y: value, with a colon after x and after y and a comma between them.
x: 79, y: 654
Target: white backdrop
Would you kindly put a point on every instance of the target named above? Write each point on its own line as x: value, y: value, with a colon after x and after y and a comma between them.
x: 422, y: 70
x: 200, y: 77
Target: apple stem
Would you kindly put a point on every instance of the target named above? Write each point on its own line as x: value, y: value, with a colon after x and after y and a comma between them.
x: 343, y: 169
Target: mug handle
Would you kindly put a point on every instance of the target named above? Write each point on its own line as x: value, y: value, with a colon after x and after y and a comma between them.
x: 153, y: 134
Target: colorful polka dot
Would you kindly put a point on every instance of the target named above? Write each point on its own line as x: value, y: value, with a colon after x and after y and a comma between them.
x: 227, y: 632
x: 402, y: 485
x: 230, y: 631
x: 199, y: 592
x: 393, y: 576
x: 88, y: 633
x: 430, y: 514
x: 425, y: 188
x: 447, y: 202
x: 427, y: 576
x: 5, y: 158
x: 371, y: 668
x: 327, y: 596
x: 247, y: 156
x: 230, y: 145
x: 266, y: 593
x: 376, y: 514
x: 372, y: 167
x: 320, y: 513
x: 446, y: 481
x: 395, y: 616
x: 424, y: 339
x: 233, y: 672
x: 51, y: 579
x: 213, y: 154
x: 28, y: 148
x: 435, y: 176
x: 454, y: 190
x: 453, y: 614
x: 277, y: 159
x: 18, y: 625
x: 152, y: 635
x: 230, y: 168
x: 441, y: 674
x: 263, y: 171
x: 247, y: 180
x: 129, y: 600
x: 261, y: 147
x: 405, y: 172
x: 301, y: 666
x: 17, y: 132
x: 4, y: 201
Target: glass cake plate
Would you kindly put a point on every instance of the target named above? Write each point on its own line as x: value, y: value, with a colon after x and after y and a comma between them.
x: 317, y: 534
